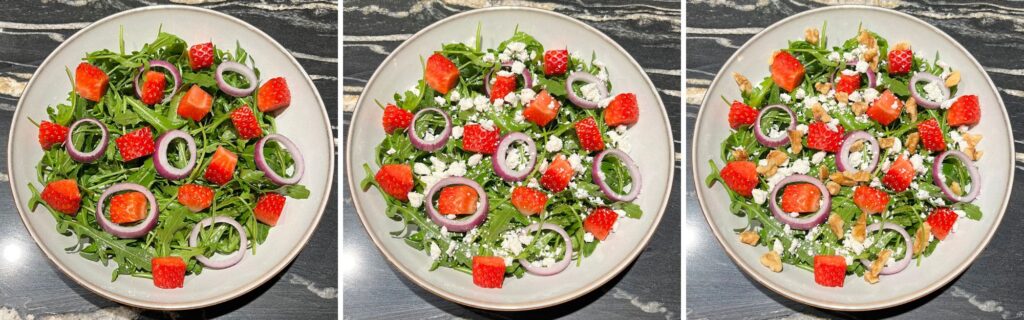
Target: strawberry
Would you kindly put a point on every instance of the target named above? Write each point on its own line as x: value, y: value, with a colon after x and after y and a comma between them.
x: 870, y: 200
x: 441, y: 74
x: 848, y: 83
x: 830, y: 271
x: 153, y: 85
x: 542, y: 109
x: 63, y: 196
x: 503, y: 85
x: 556, y: 62
x: 899, y: 176
x: 787, y: 71
x: 600, y: 222
x: 529, y: 201
x: 622, y: 110
x: 557, y: 175
x: 128, y: 207
x: 51, y: 134
x: 195, y: 104
x: 222, y: 166
x: 488, y: 271
x: 589, y: 135
x: 886, y: 108
x: 200, y: 56
x: 90, y: 81
x: 801, y: 198
x: 136, y: 144
x: 245, y: 123
x: 931, y: 135
x: 476, y: 139
x: 396, y: 119
x: 965, y: 111
x: 458, y: 199
x: 395, y: 180
x: 195, y: 197
x: 740, y: 176
x: 168, y: 272
x: 820, y: 137
x: 941, y: 220
x: 741, y: 114
x: 268, y: 208
x: 273, y: 95
x: 900, y: 61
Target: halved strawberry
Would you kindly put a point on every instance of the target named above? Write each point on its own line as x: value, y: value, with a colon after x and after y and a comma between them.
x: 542, y: 109
x: 589, y: 135
x: 886, y: 108
x: 556, y: 62
x: 396, y: 119
x: 600, y: 222
x: 128, y: 207
x: 557, y: 175
x: 476, y: 139
x: 222, y: 166
x: 153, y: 85
x: 965, y: 111
x: 820, y: 137
x: 200, y: 56
x: 457, y: 199
x: 941, y: 220
x: 899, y: 176
x: 268, y: 208
x: 529, y: 201
x: 395, y: 180
x: 195, y: 197
x: 63, y: 196
x: 931, y: 135
x: 740, y: 176
x: 503, y: 85
x: 195, y: 104
x: 245, y: 123
x: 51, y: 134
x: 273, y: 95
x: 741, y: 114
x: 870, y: 200
x: 900, y: 61
x: 848, y: 83
x: 622, y: 110
x: 90, y: 81
x: 168, y: 272
x: 787, y: 71
x: 801, y: 198
x: 441, y: 74
x: 136, y: 144
x: 488, y: 271
x: 830, y: 271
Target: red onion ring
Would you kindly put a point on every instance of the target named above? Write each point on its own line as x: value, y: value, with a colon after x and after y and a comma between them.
x: 589, y: 79
x: 234, y: 257
x: 902, y: 263
x: 293, y: 151
x: 801, y: 223
x: 161, y: 160
x: 764, y: 139
x: 87, y: 156
x: 459, y: 225
x: 843, y: 160
x: 558, y: 266
x: 437, y: 143
x: 133, y: 231
x: 872, y: 78
x: 527, y: 78
x: 501, y: 165
x: 242, y: 70
x: 175, y: 74
x: 921, y: 101
x: 971, y: 171
x: 634, y: 175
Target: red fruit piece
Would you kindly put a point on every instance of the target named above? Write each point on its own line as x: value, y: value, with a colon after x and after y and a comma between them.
x: 200, y: 56
x: 589, y: 134
x: 600, y: 222
x: 941, y: 220
x: 623, y: 110
x: 965, y: 111
x: 787, y: 71
x: 51, y: 134
x: 801, y: 198
x: 870, y: 200
x: 529, y: 201
x: 195, y: 104
x: 441, y: 74
x: 458, y: 199
x: 168, y: 272
x: 476, y: 139
x: 395, y: 180
x: 848, y: 83
x: 931, y: 135
x: 900, y: 61
x: 268, y: 208
x: 886, y: 108
x: 63, y: 196
x: 222, y: 166
x: 899, y: 176
x: 488, y: 271
x: 503, y: 85
x: 396, y: 119
x: 740, y: 176
x: 741, y: 114
x: 195, y: 197
x: 90, y: 81
x: 830, y: 271
x: 273, y: 95
x: 556, y: 62
x: 136, y: 144
x: 557, y: 175
x: 820, y: 137
x: 542, y: 109
x: 128, y: 207
x: 153, y: 85
x: 245, y: 123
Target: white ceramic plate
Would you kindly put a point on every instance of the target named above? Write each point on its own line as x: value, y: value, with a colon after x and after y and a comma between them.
x: 305, y: 122
x: 953, y: 255
x: 401, y: 70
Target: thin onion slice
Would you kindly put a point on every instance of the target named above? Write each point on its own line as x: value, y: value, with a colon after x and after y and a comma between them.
x: 636, y: 181
x: 768, y: 141
x: 242, y: 70
x: 87, y: 156
x: 921, y: 101
x: 972, y: 171
x: 500, y: 164
x: 811, y: 220
x: 909, y: 252
x: 133, y: 231
x: 290, y: 147
x: 439, y: 141
x: 577, y: 76
x: 843, y: 160
x: 558, y: 266
x: 457, y: 225
x: 161, y: 159
x: 234, y: 257
x: 171, y: 68
x: 527, y: 78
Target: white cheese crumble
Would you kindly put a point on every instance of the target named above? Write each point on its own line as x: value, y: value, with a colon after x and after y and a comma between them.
x: 554, y: 144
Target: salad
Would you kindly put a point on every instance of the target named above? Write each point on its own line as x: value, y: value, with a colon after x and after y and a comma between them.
x: 853, y: 159
x: 214, y: 180
x: 507, y: 160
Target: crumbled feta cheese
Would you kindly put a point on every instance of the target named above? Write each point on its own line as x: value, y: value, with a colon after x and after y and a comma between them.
x: 862, y: 66
x: 834, y: 56
x: 457, y: 131
x: 487, y: 124
x: 474, y: 159
x: 759, y: 195
x: 833, y: 125
x: 785, y: 97
x: 801, y: 93
x: 554, y: 144
x: 421, y: 169
x: 588, y: 237
x: 517, y: 67
x: 435, y: 252
x: 848, y: 72
x: 591, y: 92
x: 527, y: 95
x: 457, y: 169
x: 392, y: 151
x: 918, y: 163
x: 511, y: 98
x: 577, y: 163
x: 777, y: 246
x: 870, y: 95
x: 802, y: 128
x: 415, y: 199
x: 818, y: 157
x: 933, y: 91
x: 439, y: 100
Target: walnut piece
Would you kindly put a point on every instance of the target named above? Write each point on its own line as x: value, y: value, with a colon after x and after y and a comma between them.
x: 921, y: 238
x: 841, y: 179
x: 740, y: 155
x: 833, y: 188
x: 823, y: 87
x: 858, y: 176
x: 859, y: 231
x: 953, y: 79
x: 876, y: 266
x: 777, y: 158
x: 903, y: 45
x: 859, y: 108
x: 886, y: 143
x: 796, y: 141
x: 843, y: 97
x: 857, y: 146
x: 742, y: 82
x: 811, y: 35
x: 955, y: 187
x: 972, y: 146
x: 911, y: 106
x: 772, y: 261
x: 911, y: 143
x: 866, y: 39
x: 767, y: 171
x: 823, y: 173
x: 835, y: 222
x: 820, y: 114
x: 749, y: 237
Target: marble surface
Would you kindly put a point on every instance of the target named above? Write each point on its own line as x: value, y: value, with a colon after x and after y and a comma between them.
x: 32, y: 288
x: 648, y: 289
x: 989, y: 289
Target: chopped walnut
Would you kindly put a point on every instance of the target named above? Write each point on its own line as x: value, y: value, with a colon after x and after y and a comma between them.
x: 772, y: 261
x: 921, y: 238
x: 911, y: 106
x: 955, y: 187
x: 823, y: 87
x: 740, y: 155
x: 749, y: 237
x: 859, y: 108
x: 841, y: 179
x: 857, y: 146
x: 820, y: 114
x: 972, y: 146
x: 767, y: 171
x: 833, y: 188
x: 811, y: 35
x: 742, y: 82
x: 953, y: 79
x: 850, y: 178
x: 903, y: 45
x: 835, y: 222
x: 876, y: 266
x: 886, y: 143
x: 866, y: 39
x: 871, y: 54
x: 842, y: 97
x: 859, y: 231
x: 777, y: 158
x: 796, y: 141
x: 823, y: 173
x: 911, y: 143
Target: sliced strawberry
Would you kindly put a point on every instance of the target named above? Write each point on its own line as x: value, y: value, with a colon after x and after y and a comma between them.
x: 396, y: 119
x: 801, y: 198
x: 395, y: 180
x: 741, y: 114
x: 886, y: 108
x: 441, y: 74
x: 128, y: 207
x: 195, y: 197
x: 529, y: 201
x: 600, y: 222
x: 542, y: 109
x: 268, y: 208
x: 153, y: 85
x: 740, y: 176
x: 556, y: 62
x: 51, y: 134
x: 458, y: 199
x: 870, y: 200
x: 273, y: 95
x: 900, y: 61
x: 168, y: 272
x: 136, y: 144
x: 787, y: 71
x: 63, y: 196
x: 90, y: 81
x: 820, y: 137
x: 488, y: 271
x: 848, y: 83
x: 245, y: 123
x: 622, y: 110
x: 899, y: 176
x: 965, y: 111
x: 476, y: 139
x: 222, y: 166
x: 503, y: 85
x: 200, y: 56
x: 931, y: 135
x: 558, y: 174
x: 195, y: 104
x: 589, y: 135
x: 830, y: 271
x: 941, y: 220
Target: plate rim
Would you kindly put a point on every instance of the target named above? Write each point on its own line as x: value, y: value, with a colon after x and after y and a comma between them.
x: 276, y: 269
x: 821, y: 303
x: 632, y: 256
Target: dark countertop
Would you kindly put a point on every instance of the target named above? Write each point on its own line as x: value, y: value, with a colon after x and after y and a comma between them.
x: 31, y: 287
x: 990, y: 288
x: 650, y: 288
